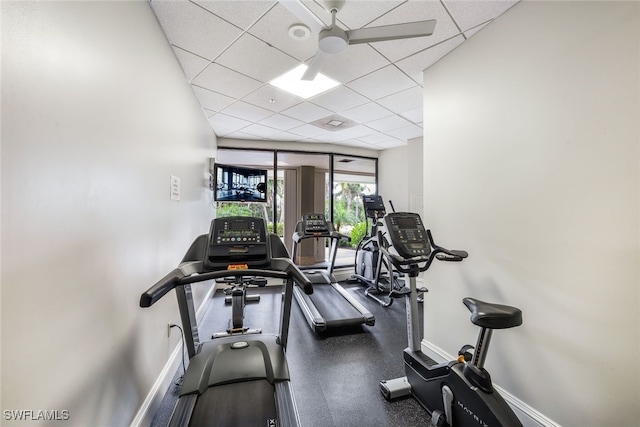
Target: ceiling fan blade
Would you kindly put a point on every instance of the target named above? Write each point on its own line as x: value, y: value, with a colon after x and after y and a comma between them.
x: 304, y: 14
x: 392, y: 32
x: 314, y: 66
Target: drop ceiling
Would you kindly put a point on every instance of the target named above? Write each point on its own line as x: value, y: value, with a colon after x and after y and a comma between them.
x: 230, y: 50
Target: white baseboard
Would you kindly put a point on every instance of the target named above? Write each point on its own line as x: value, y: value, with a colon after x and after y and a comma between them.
x: 151, y: 403
x: 529, y: 416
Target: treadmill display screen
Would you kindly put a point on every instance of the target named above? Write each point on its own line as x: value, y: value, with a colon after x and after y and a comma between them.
x: 237, y: 240
x: 314, y: 223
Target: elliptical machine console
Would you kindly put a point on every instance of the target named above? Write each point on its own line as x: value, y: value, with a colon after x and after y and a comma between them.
x: 456, y: 393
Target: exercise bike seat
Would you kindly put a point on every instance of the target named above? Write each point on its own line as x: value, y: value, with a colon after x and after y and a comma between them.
x: 493, y: 316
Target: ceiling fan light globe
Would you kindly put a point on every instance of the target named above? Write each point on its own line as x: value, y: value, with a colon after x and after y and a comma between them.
x: 333, y: 40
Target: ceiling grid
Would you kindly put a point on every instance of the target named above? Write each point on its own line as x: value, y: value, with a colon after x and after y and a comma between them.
x: 230, y: 50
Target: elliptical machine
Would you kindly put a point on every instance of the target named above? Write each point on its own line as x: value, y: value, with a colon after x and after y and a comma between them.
x: 372, y: 267
x: 458, y: 393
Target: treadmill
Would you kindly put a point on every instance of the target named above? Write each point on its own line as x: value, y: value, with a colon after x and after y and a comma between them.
x: 330, y: 305
x: 238, y: 380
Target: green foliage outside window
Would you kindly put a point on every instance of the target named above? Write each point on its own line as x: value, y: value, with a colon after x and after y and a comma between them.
x: 357, y: 233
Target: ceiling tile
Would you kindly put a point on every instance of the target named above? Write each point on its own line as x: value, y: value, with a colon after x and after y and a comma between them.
x: 367, y: 112
x: 306, y: 112
x: 377, y: 138
x: 357, y: 14
x: 285, y: 136
x: 273, y: 28
x: 194, y: 29
x: 242, y: 14
x: 242, y: 135
x: 339, y: 99
x: 212, y: 100
x: 260, y: 130
x: 228, y: 82
x: 255, y: 58
x: 474, y: 30
x: 356, y: 61
x: 308, y: 131
x: 469, y: 14
x: 223, y: 124
x: 416, y: 116
x: 389, y: 123
x: 357, y: 131
x: 407, y: 132
x: 243, y: 110
x: 412, y: 11
x: 406, y: 100
x: 381, y: 83
x: 416, y: 64
x: 281, y: 99
x: 191, y: 64
x: 281, y: 122
x: 360, y: 144
x: 390, y: 143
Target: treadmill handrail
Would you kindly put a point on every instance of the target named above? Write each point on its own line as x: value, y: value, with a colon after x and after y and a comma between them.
x: 192, y: 272
x: 297, y: 236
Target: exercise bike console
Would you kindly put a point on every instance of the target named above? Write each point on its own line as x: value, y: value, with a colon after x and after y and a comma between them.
x: 407, y: 234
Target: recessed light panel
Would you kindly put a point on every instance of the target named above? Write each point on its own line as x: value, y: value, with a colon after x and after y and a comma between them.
x: 292, y: 82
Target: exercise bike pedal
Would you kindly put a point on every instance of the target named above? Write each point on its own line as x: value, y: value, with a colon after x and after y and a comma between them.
x: 464, y: 354
x: 438, y: 419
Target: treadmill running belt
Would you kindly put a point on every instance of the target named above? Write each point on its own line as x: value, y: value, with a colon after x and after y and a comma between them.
x: 333, y: 307
x: 247, y: 403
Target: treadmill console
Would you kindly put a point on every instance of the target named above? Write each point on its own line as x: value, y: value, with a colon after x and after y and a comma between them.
x: 407, y: 234
x: 236, y: 243
x: 314, y: 224
x: 373, y: 206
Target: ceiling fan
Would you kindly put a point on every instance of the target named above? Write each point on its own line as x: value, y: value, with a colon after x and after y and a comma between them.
x: 334, y: 39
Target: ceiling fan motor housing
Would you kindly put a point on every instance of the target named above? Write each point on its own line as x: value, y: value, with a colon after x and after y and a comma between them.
x: 333, y: 40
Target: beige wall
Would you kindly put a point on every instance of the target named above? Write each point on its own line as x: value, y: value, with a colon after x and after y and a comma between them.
x: 400, y: 176
x: 96, y: 116
x: 532, y: 151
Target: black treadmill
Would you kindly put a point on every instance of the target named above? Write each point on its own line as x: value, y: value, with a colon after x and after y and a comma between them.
x: 330, y: 305
x: 239, y: 380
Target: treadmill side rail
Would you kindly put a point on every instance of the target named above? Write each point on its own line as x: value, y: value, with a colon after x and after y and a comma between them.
x: 286, y: 405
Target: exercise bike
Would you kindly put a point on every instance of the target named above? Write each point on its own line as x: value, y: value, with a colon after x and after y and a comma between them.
x: 458, y: 393
x: 236, y: 295
x: 372, y: 267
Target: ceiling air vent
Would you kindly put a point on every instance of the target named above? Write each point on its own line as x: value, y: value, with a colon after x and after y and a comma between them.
x: 334, y: 123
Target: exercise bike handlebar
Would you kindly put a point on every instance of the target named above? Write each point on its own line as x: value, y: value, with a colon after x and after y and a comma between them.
x: 408, y: 265
x: 191, y: 272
